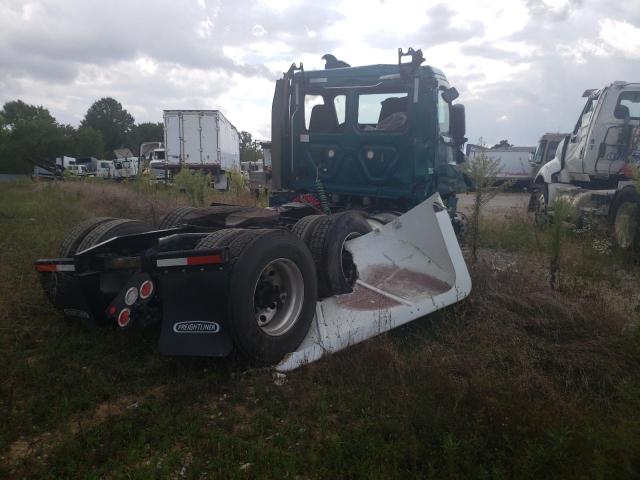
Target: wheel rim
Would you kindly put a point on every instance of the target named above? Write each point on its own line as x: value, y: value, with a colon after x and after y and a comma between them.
x: 626, y: 224
x: 347, y: 265
x: 278, y: 297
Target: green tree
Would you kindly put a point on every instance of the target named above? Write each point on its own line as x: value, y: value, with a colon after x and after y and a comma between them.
x: 16, y: 110
x: 112, y: 121
x: 483, y: 172
x: 502, y: 144
x: 30, y: 134
x: 87, y: 142
x: 249, y: 151
x: 145, y: 132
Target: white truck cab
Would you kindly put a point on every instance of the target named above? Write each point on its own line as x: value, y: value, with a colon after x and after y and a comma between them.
x: 599, y: 146
x: 594, y: 165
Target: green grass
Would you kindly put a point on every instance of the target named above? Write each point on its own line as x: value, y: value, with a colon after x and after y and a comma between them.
x: 518, y: 381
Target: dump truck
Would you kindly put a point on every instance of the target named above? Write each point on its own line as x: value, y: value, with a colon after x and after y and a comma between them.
x: 359, y: 236
x: 595, y: 166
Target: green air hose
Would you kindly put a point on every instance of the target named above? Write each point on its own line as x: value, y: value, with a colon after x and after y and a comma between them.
x: 322, y: 195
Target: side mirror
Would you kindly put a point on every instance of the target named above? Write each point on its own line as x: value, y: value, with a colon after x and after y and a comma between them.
x: 458, y: 124
x: 450, y: 94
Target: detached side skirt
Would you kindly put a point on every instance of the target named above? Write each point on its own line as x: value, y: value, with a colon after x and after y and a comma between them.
x: 409, y: 268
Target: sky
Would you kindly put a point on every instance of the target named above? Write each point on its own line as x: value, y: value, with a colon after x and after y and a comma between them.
x: 520, y: 65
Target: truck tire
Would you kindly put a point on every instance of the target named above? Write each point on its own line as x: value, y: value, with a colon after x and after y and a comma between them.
x: 304, y: 227
x: 175, y: 217
x: 110, y: 229
x: 74, y: 237
x: 272, y: 293
x: 336, y: 271
x: 220, y: 238
x: 55, y: 284
x: 538, y: 203
x: 624, y: 219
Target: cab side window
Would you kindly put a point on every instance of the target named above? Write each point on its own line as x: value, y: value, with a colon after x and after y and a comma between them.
x: 628, y: 104
x: 586, y: 111
x: 540, y: 151
x: 551, y: 151
x: 324, y: 114
x: 443, y: 115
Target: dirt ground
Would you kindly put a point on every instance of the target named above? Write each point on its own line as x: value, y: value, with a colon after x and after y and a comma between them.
x: 502, y: 205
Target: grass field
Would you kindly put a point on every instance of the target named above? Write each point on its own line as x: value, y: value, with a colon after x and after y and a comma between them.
x: 517, y: 381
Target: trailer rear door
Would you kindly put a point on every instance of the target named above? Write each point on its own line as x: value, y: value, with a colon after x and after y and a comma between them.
x: 191, y: 134
x: 172, y: 138
x: 208, y: 127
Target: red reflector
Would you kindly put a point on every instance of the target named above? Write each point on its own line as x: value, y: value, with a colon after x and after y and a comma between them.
x: 146, y: 289
x: 46, y: 267
x: 204, y: 260
x: 112, y: 310
x: 124, y: 317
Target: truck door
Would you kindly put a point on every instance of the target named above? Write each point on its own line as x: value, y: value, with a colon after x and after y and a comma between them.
x: 610, y: 143
x: 321, y: 149
x: 578, y: 142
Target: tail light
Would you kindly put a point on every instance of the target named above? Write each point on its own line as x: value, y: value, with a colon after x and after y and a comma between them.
x: 124, y: 317
x: 146, y: 289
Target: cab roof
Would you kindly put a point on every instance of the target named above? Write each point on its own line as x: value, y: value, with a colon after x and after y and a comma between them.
x: 364, y: 75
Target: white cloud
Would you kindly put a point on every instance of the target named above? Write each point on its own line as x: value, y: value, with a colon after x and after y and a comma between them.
x: 621, y: 36
x: 515, y: 59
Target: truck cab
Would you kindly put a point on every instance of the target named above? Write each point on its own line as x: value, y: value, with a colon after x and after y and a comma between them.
x: 599, y: 145
x: 594, y: 166
x: 545, y: 151
x: 388, y: 134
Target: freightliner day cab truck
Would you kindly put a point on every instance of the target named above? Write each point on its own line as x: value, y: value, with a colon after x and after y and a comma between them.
x: 358, y: 238
x: 594, y: 167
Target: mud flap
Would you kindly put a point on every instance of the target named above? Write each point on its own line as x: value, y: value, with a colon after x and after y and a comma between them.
x: 407, y: 269
x: 193, y: 315
x: 75, y: 306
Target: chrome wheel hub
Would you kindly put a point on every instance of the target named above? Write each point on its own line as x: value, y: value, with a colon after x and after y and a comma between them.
x: 278, y: 296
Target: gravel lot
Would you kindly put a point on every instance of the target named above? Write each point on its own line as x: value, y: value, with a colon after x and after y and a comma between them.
x: 502, y: 205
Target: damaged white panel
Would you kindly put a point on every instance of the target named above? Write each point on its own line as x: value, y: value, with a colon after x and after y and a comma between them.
x: 407, y: 269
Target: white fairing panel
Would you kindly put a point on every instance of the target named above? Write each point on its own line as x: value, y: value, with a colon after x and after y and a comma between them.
x: 408, y: 268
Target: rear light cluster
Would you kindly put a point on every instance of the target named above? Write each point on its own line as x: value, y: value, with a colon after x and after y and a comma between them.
x: 55, y: 267
x: 121, y: 307
x: 194, y: 260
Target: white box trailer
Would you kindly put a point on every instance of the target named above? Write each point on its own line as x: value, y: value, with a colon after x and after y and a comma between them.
x: 513, y: 162
x: 201, y: 139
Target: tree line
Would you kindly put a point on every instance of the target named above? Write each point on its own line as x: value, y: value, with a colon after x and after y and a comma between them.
x: 29, y: 133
